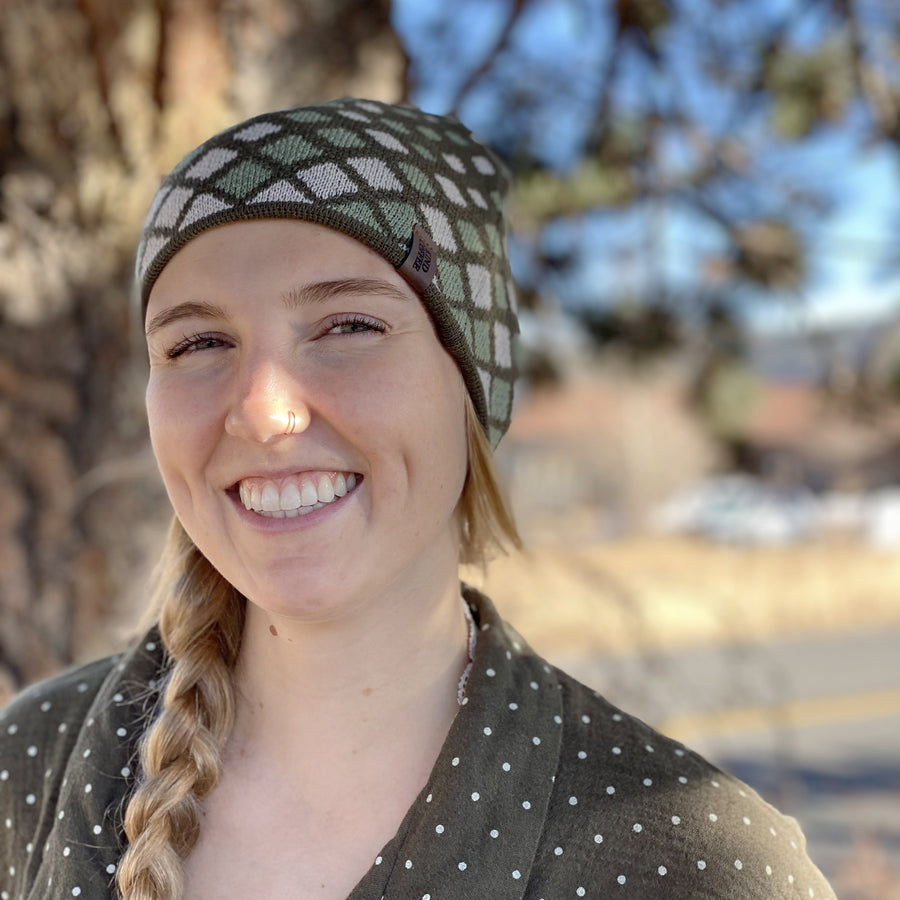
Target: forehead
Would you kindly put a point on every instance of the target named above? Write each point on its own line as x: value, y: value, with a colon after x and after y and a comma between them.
x: 266, y: 256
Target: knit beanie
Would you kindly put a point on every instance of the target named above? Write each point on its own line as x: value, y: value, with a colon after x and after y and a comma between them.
x: 416, y: 188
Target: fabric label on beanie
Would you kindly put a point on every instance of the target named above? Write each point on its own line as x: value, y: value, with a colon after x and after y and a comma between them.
x: 420, y: 264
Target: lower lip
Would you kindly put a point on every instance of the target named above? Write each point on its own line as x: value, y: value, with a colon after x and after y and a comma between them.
x: 277, y: 525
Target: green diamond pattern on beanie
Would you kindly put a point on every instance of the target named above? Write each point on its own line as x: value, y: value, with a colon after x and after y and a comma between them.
x: 289, y: 148
x: 246, y: 175
x: 372, y: 171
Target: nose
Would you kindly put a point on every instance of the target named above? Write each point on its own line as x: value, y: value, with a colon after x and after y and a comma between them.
x: 268, y: 404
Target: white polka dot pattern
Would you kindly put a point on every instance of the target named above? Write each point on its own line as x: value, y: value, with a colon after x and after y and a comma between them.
x: 67, y: 771
x: 542, y: 791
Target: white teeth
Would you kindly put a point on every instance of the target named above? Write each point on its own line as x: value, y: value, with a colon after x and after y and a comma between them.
x: 270, y: 499
x: 308, y: 496
x: 325, y: 490
x: 290, y: 497
x: 296, y: 497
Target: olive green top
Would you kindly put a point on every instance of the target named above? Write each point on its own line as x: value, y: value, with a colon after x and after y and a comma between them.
x: 541, y: 790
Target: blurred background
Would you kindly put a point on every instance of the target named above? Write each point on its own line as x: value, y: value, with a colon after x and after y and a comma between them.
x: 704, y: 461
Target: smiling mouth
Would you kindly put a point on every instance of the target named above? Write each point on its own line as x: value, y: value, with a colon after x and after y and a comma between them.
x: 295, y: 496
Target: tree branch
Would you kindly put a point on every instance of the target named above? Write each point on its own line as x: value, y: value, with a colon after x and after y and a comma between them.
x: 487, y: 63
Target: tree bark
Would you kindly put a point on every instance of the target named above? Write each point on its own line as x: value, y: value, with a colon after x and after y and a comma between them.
x: 97, y: 101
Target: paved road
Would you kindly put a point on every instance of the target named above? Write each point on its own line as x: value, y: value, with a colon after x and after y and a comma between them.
x: 812, y: 723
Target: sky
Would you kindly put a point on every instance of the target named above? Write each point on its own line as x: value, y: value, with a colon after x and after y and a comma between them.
x: 849, y: 284
x: 847, y: 281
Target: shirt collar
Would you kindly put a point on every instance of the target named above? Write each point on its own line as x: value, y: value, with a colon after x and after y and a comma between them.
x: 475, y: 827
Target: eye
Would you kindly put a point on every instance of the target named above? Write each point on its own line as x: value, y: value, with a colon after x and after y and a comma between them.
x: 195, y: 343
x: 354, y: 323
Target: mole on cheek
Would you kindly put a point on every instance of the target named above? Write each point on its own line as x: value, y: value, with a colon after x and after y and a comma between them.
x: 367, y: 692
x: 273, y: 630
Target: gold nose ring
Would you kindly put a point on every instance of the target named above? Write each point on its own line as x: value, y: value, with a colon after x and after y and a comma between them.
x: 291, y: 422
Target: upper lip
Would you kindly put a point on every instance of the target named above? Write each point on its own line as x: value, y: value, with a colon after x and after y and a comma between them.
x: 277, y: 474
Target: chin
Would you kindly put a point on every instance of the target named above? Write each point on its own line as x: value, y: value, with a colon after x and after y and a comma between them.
x: 303, y: 599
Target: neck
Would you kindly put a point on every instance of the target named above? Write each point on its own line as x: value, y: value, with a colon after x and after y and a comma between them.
x: 351, y: 685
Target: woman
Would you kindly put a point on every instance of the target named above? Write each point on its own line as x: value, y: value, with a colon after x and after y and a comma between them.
x: 316, y: 709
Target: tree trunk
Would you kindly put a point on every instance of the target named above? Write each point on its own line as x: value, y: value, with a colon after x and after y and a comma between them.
x: 97, y: 101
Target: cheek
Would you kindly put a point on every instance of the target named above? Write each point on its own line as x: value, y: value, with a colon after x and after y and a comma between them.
x: 410, y: 421
x: 177, y: 423
x: 157, y: 421
x: 442, y: 434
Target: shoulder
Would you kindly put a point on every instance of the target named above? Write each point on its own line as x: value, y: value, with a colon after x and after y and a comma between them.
x: 652, y: 814
x: 44, y: 714
x: 629, y: 810
x: 38, y: 729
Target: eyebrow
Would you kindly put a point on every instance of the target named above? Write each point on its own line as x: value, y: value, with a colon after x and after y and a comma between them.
x: 198, y: 309
x: 302, y: 295
x: 295, y: 297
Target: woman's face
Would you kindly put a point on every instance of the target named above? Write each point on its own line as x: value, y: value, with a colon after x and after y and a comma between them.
x: 257, y: 325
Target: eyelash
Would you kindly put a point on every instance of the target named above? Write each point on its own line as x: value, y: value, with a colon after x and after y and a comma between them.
x: 353, y: 319
x: 190, y: 343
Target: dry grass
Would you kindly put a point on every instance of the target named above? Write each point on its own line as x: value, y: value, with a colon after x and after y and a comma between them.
x: 661, y: 593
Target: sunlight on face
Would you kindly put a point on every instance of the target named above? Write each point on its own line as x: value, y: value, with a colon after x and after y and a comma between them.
x: 307, y: 422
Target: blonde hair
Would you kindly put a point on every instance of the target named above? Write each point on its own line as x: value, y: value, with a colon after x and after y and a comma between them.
x: 201, y: 620
x: 487, y: 521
